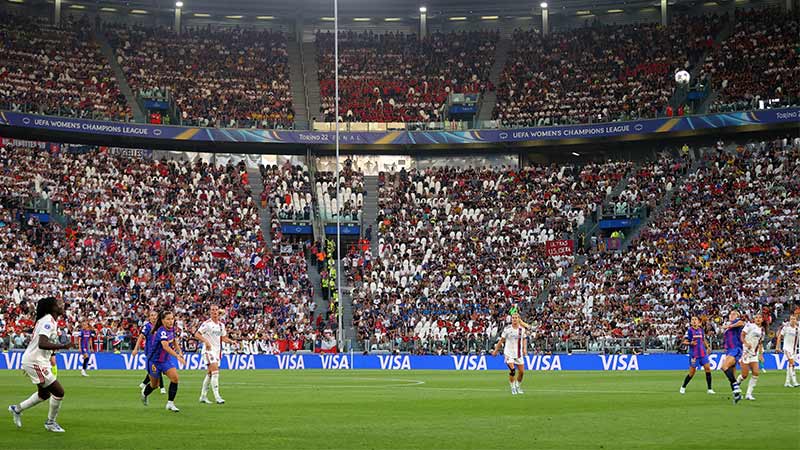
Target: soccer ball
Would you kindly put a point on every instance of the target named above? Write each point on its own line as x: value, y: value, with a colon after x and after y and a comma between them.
x: 682, y: 77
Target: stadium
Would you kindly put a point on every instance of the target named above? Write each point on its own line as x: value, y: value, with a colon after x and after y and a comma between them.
x: 399, y: 225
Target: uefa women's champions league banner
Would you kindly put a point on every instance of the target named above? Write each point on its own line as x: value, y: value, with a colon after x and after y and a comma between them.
x: 194, y: 361
x: 231, y: 135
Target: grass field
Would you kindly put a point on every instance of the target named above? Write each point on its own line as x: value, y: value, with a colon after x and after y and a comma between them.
x: 418, y: 409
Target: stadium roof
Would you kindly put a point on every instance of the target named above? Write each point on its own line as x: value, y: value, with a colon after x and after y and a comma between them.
x: 288, y: 10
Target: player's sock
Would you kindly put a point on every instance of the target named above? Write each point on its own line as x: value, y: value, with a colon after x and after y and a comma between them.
x: 708, y: 379
x: 729, y: 374
x: 788, y: 374
x: 794, y: 375
x: 146, y: 379
x: 687, y: 380
x: 752, y: 384
x: 55, y: 405
x: 30, y: 402
x: 206, y: 382
x: 148, y: 390
x: 85, y: 363
x: 215, y: 384
x: 739, y: 378
x: 173, y: 391
x: 161, y: 381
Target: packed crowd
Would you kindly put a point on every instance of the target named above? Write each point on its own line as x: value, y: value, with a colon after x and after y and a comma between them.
x: 728, y: 240
x: 396, y: 77
x: 145, y: 234
x: 759, y: 61
x: 56, y: 71
x: 222, y: 77
x: 457, y: 247
x: 600, y: 73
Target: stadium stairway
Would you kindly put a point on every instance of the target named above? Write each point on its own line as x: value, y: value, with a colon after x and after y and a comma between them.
x: 489, y: 98
x: 299, y: 100
x: 347, y: 320
x: 122, y: 81
x: 370, y: 216
x: 664, y: 204
x: 264, y: 214
x: 308, y: 50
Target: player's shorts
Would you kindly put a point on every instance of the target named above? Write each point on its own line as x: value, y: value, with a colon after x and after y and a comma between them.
x: 790, y: 354
x: 40, y: 374
x: 515, y: 361
x: 211, y: 358
x: 698, y: 362
x: 736, y: 353
x: 154, y: 368
x: 749, y: 358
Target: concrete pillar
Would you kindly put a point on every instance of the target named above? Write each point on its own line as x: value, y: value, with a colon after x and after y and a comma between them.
x: 177, y: 25
x: 664, y: 20
x: 423, y: 22
x: 57, y: 17
x: 545, y: 19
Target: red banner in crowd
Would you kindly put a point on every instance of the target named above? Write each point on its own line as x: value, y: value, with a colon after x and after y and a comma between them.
x: 564, y: 247
x: 756, y: 249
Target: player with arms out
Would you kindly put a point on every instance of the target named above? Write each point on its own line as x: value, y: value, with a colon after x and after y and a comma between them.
x: 733, y: 351
x: 87, y: 340
x: 698, y: 353
x: 790, y: 335
x: 752, y: 340
x: 514, y: 342
x: 143, y: 338
x: 37, y: 364
x: 212, y: 334
x: 164, y: 349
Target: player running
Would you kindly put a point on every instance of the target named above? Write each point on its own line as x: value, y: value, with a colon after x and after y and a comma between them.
x: 147, y: 329
x: 87, y: 340
x: 790, y: 335
x: 164, y: 349
x: 733, y: 351
x: 212, y: 334
x: 698, y: 353
x: 514, y: 350
x: 37, y: 364
x: 752, y: 339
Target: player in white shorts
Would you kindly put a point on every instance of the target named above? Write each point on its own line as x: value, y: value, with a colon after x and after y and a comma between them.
x: 514, y: 342
x: 752, y: 340
x: 212, y: 334
x: 37, y: 364
x: 790, y: 335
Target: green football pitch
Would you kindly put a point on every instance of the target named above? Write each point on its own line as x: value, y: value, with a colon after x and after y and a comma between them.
x: 409, y: 409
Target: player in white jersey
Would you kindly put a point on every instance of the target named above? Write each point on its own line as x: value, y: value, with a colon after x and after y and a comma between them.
x: 36, y: 363
x: 790, y: 335
x: 212, y: 334
x: 752, y: 350
x: 515, y: 346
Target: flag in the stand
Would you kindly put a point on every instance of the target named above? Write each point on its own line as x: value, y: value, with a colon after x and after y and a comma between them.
x: 219, y: 253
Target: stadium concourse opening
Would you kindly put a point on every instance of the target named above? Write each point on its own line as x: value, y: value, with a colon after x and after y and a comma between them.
x: 377, y: 224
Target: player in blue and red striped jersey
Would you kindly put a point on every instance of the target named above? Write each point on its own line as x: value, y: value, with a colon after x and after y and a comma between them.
x: 733, y: 351
x: 144, y: 338
x: 698, y: 353
x: 87, y: 340
x: 164, y: 349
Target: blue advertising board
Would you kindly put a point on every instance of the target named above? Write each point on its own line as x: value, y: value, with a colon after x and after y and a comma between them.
x: 350, y: 230
x: 637, y: 128
x: 584, y: 361
x: 297, y: 229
